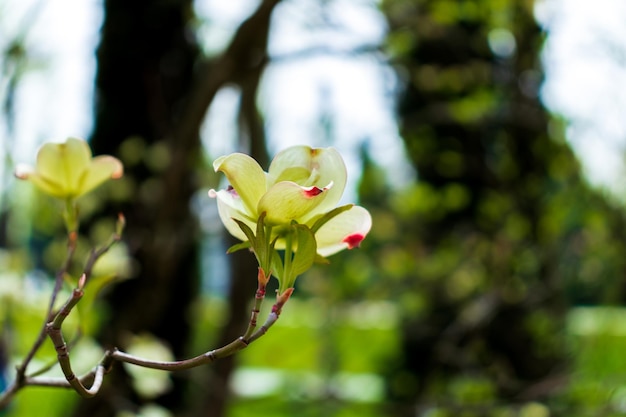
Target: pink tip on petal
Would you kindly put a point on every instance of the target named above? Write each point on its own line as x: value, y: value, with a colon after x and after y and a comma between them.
x: 353, y: 241
x: 212, y: 193
x: 22, y: 171
x: 232, y: 191
x: 314, y: 191
x: 311, y: 192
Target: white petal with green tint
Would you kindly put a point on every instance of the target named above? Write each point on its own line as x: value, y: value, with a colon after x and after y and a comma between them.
x: 293, y: 164
x: 76, y: 159
x: 25, y: 172
x: 344, y: 231
x: 63, y: 164
x: 332, y: 168
x: 50, y: 168
x: 312, y: 167
x: 101, y: 169
x: 246, y: 176
x: 230, y: 206
x: 287, y: 201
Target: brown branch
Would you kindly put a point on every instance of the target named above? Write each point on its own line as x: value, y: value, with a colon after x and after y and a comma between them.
x: 210, y: 356
x: 96, y: 376
x: 52, y: 328
x: 20, y: 372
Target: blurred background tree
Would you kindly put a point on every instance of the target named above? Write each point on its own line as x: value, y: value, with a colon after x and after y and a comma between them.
x: 496, y: 227
x: 144, y: 75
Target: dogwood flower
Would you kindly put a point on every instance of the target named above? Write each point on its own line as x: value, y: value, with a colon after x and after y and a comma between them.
x: 302, y: 186
x: 68, y: 170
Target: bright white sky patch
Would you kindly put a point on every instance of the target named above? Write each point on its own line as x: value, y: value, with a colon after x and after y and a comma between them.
x: 220, y: 19
x: 585, y: 61
x: 337, y: 25
x: 585, y: 64
x: 324, y: 66
x: 54, y: 98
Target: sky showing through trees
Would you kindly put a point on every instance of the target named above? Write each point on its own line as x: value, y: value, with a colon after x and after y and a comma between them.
x: 585, y: 40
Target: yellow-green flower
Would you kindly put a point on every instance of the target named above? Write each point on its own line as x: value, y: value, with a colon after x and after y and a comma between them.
x: 302, y: 186
x: 68, y: 170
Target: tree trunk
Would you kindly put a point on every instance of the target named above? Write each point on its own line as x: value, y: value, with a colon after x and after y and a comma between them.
x: 478, y: 136
x: 145, y: 71
x: 149, y: 113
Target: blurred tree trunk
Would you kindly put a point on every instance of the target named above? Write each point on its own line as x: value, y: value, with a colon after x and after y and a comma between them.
x: 146, y: 58
x: 478, y: 136
x: 152, y: 95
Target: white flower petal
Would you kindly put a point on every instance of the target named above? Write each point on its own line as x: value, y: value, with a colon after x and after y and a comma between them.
x: 102, y: 168
x: 286, y: 201
x: 230, y: 206
x: 308, y: 166
x: 246, y: 176
x: 344, y: 231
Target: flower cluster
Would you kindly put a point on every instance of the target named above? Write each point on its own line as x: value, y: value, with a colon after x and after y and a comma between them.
x: 292, y: 206
x: 288, y: 215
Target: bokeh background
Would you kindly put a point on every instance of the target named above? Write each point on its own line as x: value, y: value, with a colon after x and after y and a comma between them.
x: 485, y: 137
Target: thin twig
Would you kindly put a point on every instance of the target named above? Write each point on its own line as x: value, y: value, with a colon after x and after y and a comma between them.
x: 97, y: 253
x: 53, y: 329
x: 259, y: 296
x: 273, y: 316
x: 97, y: 376
x: 20, y: 372
x: 58, y: 282
x: 210, y: 356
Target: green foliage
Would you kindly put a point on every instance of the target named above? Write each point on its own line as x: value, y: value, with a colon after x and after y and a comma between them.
x: 310, y: 362
x: 500, y: 233
x: 306, y: 326
x: 271, y: 407
x: 43, y: 402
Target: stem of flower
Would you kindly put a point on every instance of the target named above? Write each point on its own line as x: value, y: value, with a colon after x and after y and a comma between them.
x: 269, y: 249
x: 71, y: 216
x: 277, y: 308
x: 45, y: 368
x: 286, y: 279
x: 259, y: 296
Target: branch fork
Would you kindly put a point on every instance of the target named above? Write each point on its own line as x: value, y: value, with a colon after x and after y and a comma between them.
x: 54, y: 326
